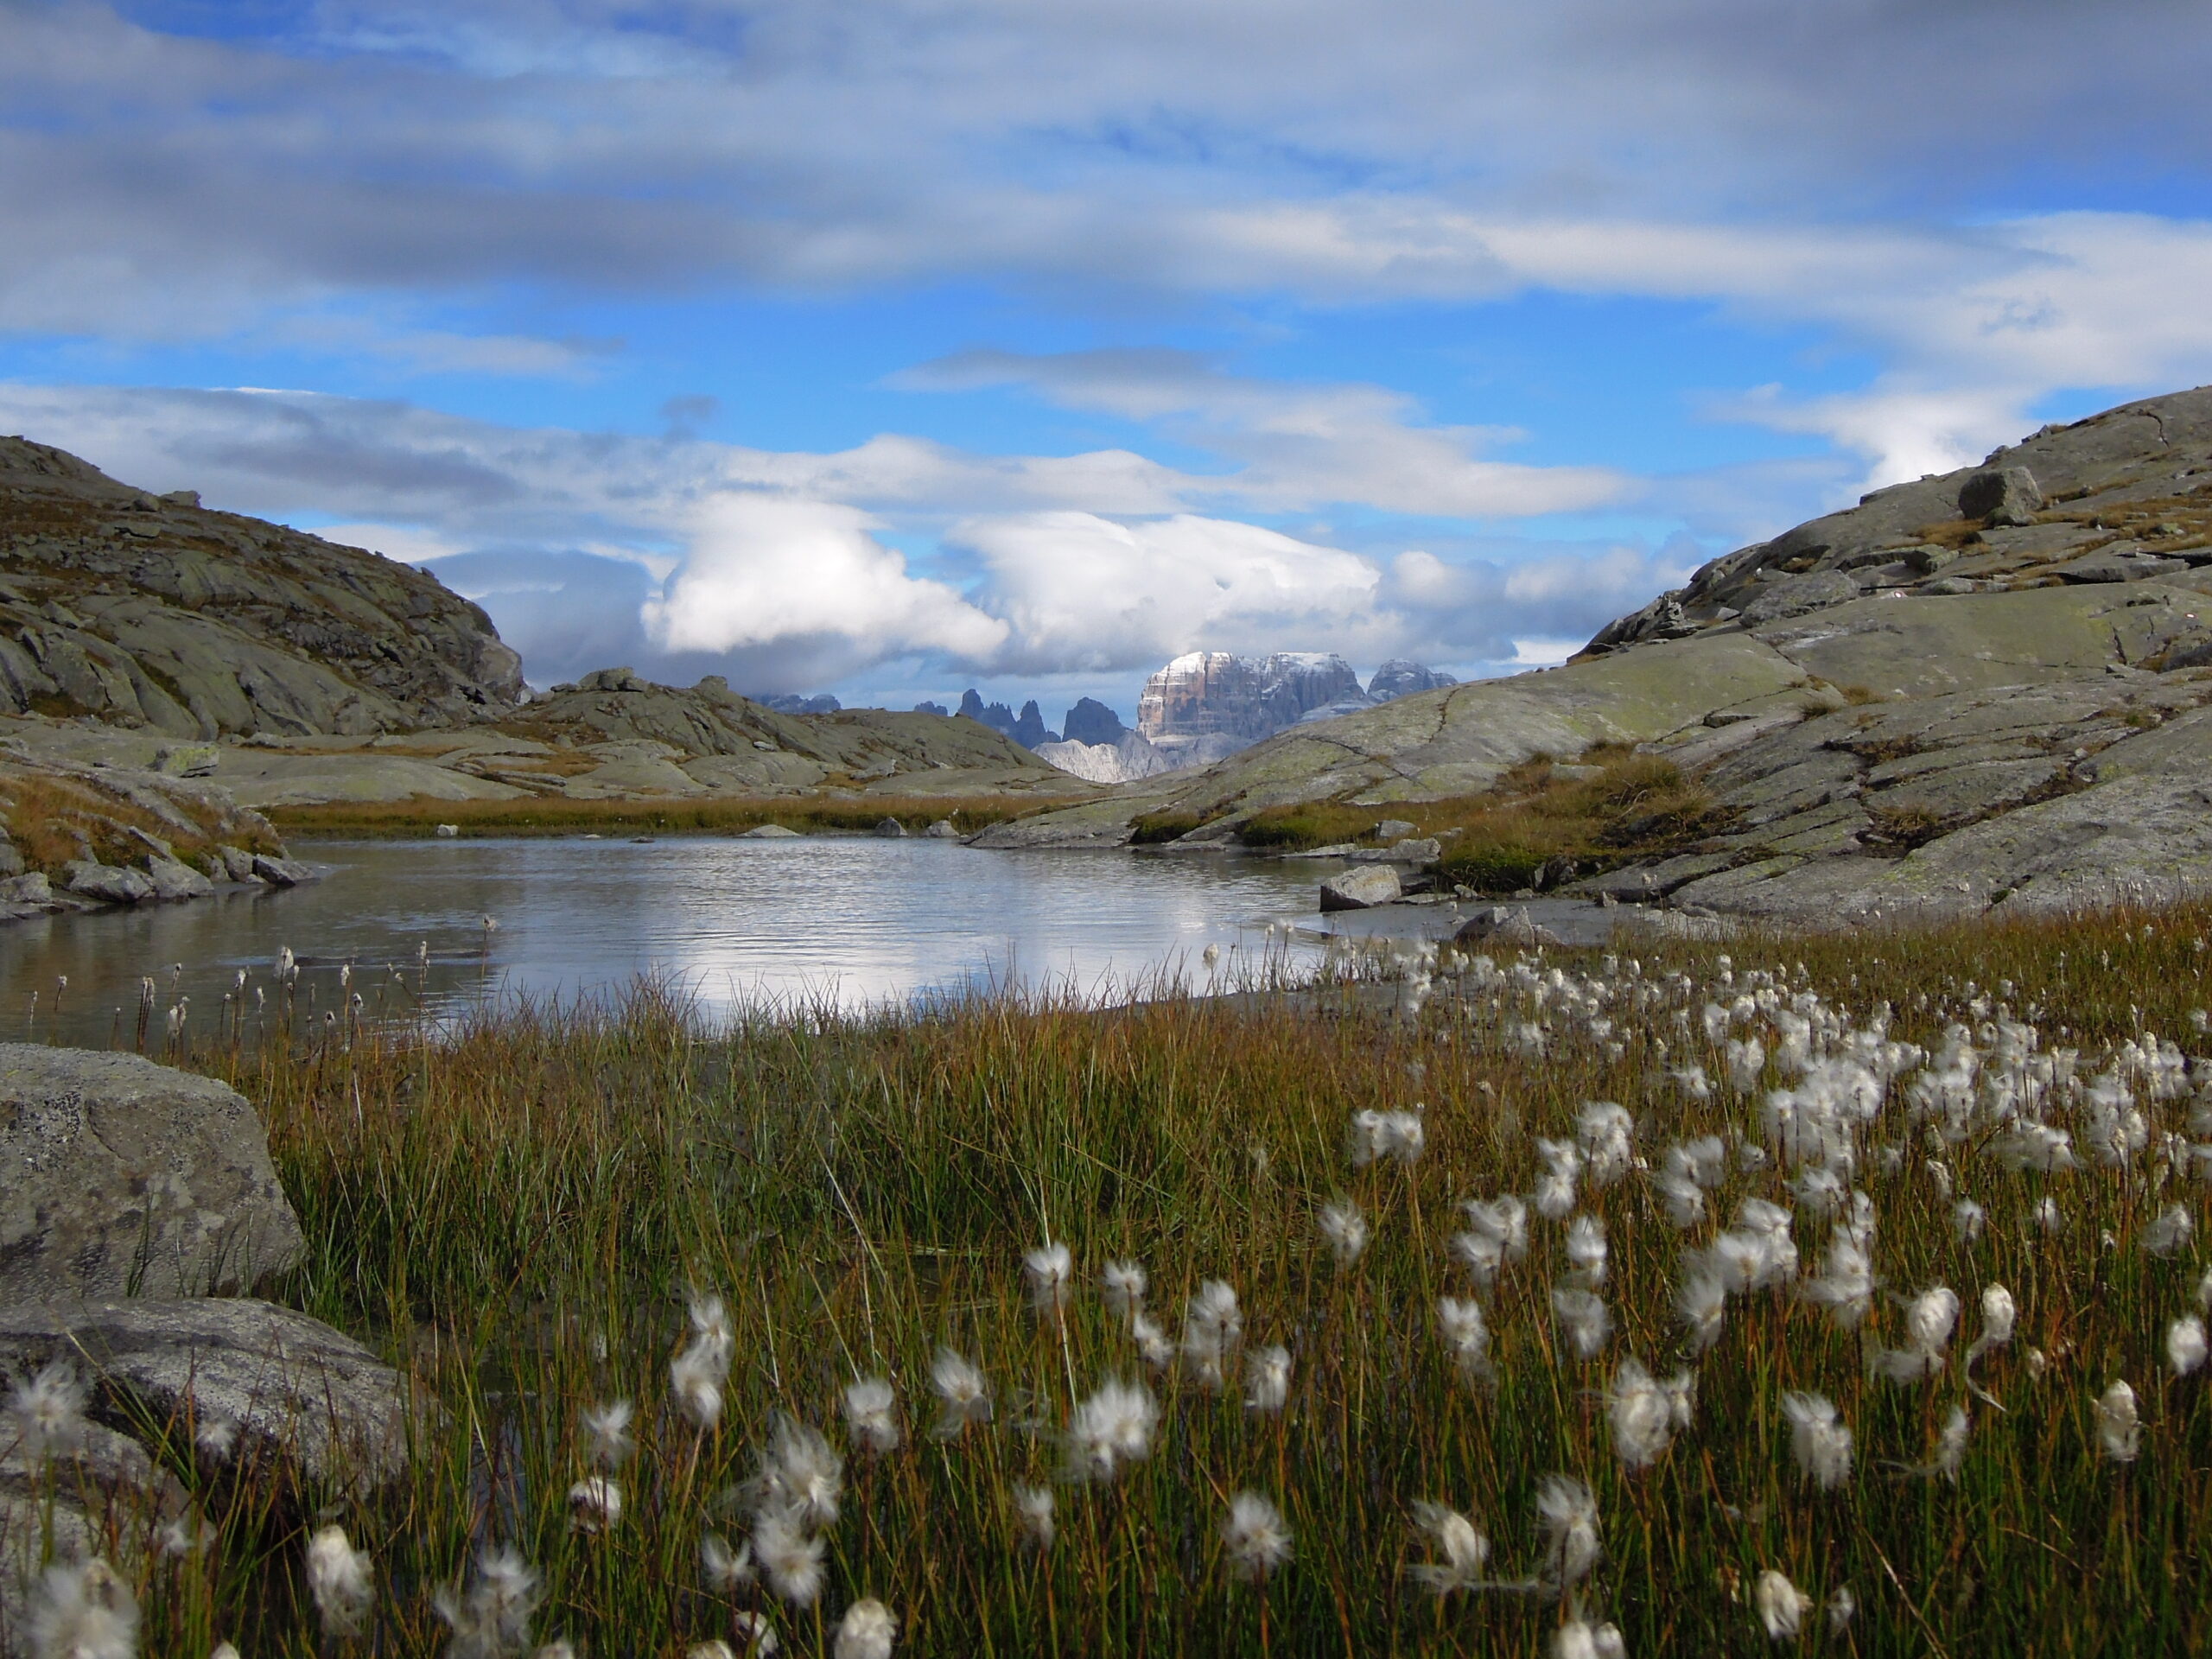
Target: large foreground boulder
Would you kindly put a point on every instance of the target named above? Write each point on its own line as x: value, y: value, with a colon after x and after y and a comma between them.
x: 122, y: 1178
x: 1361, y: 889
x: 254, y: 1386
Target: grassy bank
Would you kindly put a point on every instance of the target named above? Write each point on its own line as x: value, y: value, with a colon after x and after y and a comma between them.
x: 521, y: 1213
x: 714, y: 814
x: 1544, y: 823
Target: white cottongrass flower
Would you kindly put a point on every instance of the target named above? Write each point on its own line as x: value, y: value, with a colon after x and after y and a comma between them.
x: 1701, y: 1304
x: 2204, y: 1293
x: 1845, y: 1283
x: 1152, y: 1342
x: 2185, y: 1345
x: 223, y: 1650
x: 965, y: 1397
x: 1254, y: 1538
x: 217, y: 1438
x: 2120, y: 1430
x: 47, y: 1410
x: 82, y: 1610
x: 1999, y: 1313
x: 2168, y: 1233
x: 1555, y: 1197
x: 1584, y: 1320
x: 1967, y: 1221
x: 1267, y: 1379
x: 339, y: 1579
x: 1212, y: 1326
x: 1124, y: 1284
x: 1928, y: 1321
x: 1781, y: 1605
x: 594, y: 1504
x: 1498, y: 1232
x: 1585, y: 1250
x: 2047, y: 1217
x: 723, y: 1570
x: 1114, y: 1426
x: 800, y: 1475
x: 1950, y: 1448
x: 790, y: 1555
x: 1605, y: 1133
x: 1465, y: 1334
x: 493, y: 1619
x: 698, y: 1374
x: 1569, y: 1515
x: 607, y: 1433
x: 1645, y: 1412
x: 867, y: 1632
x: 1377, y: 1135
x: 1345, y: 1229
x: 1819, y: 1440
x: 1461, y: 1552
x: 1746, y: 1064
x: 1048, y: 1271
x: 1032, y: 1512
x: 1842, y: 1605
x: 1578, y: 1639
x: 871, y: 1415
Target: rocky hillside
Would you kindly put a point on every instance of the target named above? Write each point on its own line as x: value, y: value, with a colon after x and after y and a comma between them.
x: 152, y: 611
x: 1992, y: 687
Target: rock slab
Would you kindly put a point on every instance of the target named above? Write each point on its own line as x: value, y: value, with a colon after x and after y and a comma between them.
x: 120, y: 1177
x: 1361, y: 889
x: 298, y: 1395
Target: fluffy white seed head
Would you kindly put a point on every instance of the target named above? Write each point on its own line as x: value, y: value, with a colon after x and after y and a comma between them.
x: 1583, y: 1320
x: 1842, y: 1605
x: 492, y: 1617
x: 1569, y: 1514
x: 723, y: 1570
x: 46, y: 1412
x: 83, y: 1610
x: 1032, y: 1513
x: 340, y: 1579
x: 2119, y: 1428
x: 871, y: 1415
x: 1781, y: 1605
x: 1459, y: 1552
x: 1048, y: 1272
x: 965, y: 1396
x: 1346, y: 1230
x: 1124, y: 1284
x: 1113, y: 1428
x: 2167, y: 1235
x: 1254, y: 1538
x: 594, y: 1504
x: 1585, y: 1250
x: 607, y: 1433
x: 2185, y: 1345
x: 1819, y: 1440
x: 800, y: 1475
x: 1267, y: 1379
x: 867, y: 1632
x: 1466, y: 1335
x: 790, y: 1555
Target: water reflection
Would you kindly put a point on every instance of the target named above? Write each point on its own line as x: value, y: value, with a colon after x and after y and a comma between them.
x: 853, y: 922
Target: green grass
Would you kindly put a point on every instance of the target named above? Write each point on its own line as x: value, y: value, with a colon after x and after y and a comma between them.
x: 514, y: 1212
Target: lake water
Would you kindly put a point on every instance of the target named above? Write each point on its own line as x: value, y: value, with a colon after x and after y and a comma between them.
x: 854, y: 921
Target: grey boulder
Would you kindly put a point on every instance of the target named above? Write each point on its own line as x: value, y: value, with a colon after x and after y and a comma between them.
x: 282, y: 872
x: 120, y: 1178
x: 111, y: 883
x: 943, y: 829
x: 173, y: 879
x: 261, y: 1388
x: 2004, y: 496
x: 1500, y: 926
x: 1361, y: 889
x: 891, y: 829
x: 769, y: 832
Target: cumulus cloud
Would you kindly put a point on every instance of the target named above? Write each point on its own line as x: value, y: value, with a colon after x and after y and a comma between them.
x: 1079, y: 591
x: 769, y: 572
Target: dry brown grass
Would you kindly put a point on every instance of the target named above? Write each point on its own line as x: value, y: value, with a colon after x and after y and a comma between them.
x: 52, y: 819
x: 711, y: 815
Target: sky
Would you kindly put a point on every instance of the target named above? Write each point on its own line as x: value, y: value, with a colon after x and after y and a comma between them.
x: 886, y: 347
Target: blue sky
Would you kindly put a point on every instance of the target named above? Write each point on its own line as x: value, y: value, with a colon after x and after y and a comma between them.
x: 890, y: 347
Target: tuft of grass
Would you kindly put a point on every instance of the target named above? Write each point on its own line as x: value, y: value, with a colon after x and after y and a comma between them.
x: 1155, y: 828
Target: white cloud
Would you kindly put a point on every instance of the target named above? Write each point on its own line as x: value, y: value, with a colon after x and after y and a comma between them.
x: 1302, y: 446
x: 1080, y: 591
x: 765, y: 571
